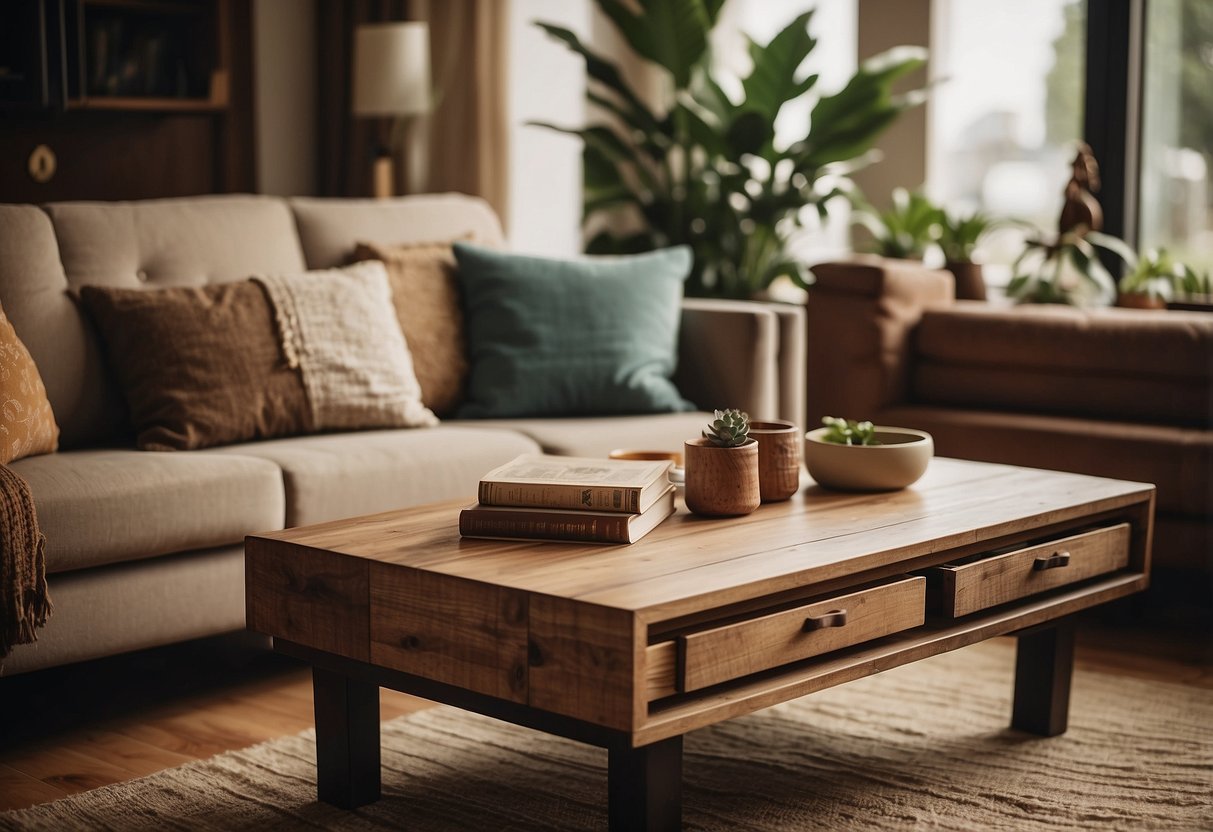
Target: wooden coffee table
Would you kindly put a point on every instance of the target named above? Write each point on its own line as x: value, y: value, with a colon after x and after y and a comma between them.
x: 630, y: 647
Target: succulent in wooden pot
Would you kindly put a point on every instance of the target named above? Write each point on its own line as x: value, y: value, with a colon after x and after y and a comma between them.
x: 722, y: 467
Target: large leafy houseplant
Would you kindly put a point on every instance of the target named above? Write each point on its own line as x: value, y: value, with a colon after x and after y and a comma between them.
x: 706, y: 169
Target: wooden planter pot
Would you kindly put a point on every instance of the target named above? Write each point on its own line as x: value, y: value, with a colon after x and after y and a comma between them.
x: 721, y: 481
x: 970, y: 281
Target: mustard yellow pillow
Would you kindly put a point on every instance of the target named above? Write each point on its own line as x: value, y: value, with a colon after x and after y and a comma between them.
x: 27, y: 425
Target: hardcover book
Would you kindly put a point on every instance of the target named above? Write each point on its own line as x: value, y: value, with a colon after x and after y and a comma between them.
x: 541, y: 481
x: 514, y: 523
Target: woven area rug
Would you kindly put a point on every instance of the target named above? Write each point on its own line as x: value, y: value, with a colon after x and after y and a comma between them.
x: 920, y: 747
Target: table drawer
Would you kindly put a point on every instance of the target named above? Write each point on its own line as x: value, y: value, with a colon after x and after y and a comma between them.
x: 961, y: 588
x: 708, y: 657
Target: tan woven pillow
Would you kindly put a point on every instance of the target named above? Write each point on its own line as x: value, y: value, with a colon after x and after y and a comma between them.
x: 426, y: 296
x: 27, y: 425
x: 199, y: 366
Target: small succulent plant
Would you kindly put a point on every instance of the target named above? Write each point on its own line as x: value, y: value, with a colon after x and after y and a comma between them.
x: 848, y: 431
x: 730, y: 429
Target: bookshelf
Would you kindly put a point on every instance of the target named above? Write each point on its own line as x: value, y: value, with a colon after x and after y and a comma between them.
x: 148, y: 55
x: 161, y: 90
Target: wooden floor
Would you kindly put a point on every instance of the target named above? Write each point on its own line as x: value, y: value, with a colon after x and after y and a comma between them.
x: 67, y: 730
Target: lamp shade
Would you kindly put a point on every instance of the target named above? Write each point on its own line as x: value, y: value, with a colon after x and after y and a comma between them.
x: 391, y: 69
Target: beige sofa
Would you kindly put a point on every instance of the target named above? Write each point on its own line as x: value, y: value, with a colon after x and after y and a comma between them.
x: 1119, y: 393
x: 145, y: 548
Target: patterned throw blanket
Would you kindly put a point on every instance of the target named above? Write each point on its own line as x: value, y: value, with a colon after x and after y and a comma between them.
x: 24, y: 603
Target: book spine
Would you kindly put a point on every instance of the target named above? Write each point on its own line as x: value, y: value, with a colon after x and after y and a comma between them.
x: 533, y: 525
x: 625, y: 500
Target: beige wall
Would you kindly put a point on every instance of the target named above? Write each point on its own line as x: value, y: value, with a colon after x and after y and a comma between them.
x: 884, y: 24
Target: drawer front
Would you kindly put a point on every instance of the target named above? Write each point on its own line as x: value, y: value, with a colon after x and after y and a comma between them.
x: 709, y: 657
x: 970, y: 587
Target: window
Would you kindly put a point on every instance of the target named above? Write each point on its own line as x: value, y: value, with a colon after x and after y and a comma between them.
x: 1177, y: 131
x: 1006, y: 112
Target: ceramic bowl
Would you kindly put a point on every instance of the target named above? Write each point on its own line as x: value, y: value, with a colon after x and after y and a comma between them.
x: 899, y: 460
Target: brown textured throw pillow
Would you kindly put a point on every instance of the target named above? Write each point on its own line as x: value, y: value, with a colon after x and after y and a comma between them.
x: 199, y: 366
x: 426, y: 296
x: 27, y: 425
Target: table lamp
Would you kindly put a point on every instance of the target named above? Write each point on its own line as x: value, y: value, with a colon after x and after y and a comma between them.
x: 391, y: 78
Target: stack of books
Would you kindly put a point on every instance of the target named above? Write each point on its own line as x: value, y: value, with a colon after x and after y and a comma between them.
x: 539, y: 497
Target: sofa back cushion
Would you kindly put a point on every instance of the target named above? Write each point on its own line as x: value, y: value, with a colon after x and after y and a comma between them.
x: 148, y: 244
x: 331, y: 229
x: 1108, y: 363
x: 34, y: 294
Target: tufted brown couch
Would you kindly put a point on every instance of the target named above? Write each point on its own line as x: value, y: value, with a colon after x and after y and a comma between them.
x: 145, y: 548
x: 1113, y: 392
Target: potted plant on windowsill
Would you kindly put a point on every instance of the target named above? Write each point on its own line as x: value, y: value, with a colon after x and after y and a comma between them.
x: 905, y: 231
x: 722, y: 467
x: 958, y: 239
x: 1067, y: 271
x: 1159, y: 279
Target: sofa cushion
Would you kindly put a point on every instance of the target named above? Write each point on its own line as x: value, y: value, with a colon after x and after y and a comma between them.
x: 425, y: 295
x: 330, y: 229
x: 571, y: 337
x: 27, y: 424
x: 1107, y: 363
x: 347, y: 474
x: 102, y: 506
x: 153, y: 243
x: 58, y: 335
x: 199, y: 366
x: 1179, y: 461
x: 599, y: 435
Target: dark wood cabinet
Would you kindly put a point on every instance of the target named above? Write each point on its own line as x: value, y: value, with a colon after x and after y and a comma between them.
x: 129, y: 99
x: 32, y: 53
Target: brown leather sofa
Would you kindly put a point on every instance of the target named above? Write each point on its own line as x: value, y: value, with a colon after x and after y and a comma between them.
x: 1111, y: 392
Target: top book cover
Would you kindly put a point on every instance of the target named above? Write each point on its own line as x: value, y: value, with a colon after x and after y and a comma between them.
x: 541, y: 481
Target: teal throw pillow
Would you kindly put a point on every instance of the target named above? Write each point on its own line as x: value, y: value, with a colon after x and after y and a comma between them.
x: 571, y: 337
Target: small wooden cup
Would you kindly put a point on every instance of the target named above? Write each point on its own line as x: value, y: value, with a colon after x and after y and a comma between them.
x: 721, y: 481
x: 779, y: 452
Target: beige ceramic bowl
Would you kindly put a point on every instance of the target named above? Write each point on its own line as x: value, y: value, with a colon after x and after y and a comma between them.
x: 899, y: 460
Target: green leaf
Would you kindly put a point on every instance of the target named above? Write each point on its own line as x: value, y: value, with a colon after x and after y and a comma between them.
x: 671, y: 33
x: 703, y: 134
x: 773, y: 82
x: 606, y: 73
x: 749, y: 133
x: 1113, y: 244
x: 607, y: 243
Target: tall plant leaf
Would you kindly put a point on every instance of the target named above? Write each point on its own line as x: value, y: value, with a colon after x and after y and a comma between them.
x: 772, y: 82
x: 606, y: 73
x: 671, y: 33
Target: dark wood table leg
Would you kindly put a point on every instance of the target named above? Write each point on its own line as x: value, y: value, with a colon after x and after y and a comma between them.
x: 644, y: 787
x: 347, y: 739
x: 1044, y: 663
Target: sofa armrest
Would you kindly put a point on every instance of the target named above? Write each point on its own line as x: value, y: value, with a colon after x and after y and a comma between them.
x: 729, y: 356
x: 860, y: 317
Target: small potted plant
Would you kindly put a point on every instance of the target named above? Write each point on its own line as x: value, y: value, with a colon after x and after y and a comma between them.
x: 904, y: 232
x: 1068, y: 270
x: 722, y: 467
x: 958, y: 238
x: 1158, y: 279
x: 859, y: 456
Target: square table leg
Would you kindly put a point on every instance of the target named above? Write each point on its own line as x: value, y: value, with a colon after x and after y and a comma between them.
x: 347, y: 739
x: 644, y: 787
x: 1044, y: 663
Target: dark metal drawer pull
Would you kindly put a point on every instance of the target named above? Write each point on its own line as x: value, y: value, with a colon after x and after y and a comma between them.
x: 1057, y: 560
x: 833, y: 618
